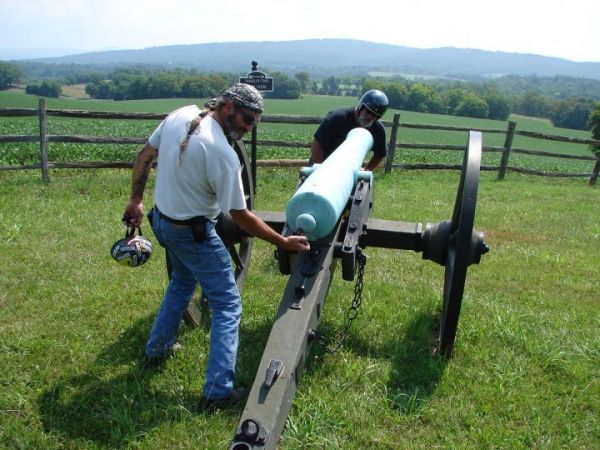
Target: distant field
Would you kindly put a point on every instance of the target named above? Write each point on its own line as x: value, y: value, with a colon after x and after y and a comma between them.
x: 75, y: 91
x: 308, y: 105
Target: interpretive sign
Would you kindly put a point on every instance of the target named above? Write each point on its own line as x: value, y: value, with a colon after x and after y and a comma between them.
x: 258, y: 79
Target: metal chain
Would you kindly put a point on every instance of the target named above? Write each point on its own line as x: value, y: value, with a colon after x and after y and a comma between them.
x: 352, y: 312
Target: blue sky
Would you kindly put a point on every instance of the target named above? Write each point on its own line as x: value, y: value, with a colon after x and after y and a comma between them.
x: 565, y: 29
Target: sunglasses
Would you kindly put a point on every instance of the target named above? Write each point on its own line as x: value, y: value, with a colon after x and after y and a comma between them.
x: 248, y: 118
x: 370, y: 112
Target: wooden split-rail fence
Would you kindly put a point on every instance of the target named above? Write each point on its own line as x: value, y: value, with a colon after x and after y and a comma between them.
x: 506, y: 150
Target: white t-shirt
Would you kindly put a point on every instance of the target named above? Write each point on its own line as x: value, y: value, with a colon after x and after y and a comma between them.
x: 205, y: 178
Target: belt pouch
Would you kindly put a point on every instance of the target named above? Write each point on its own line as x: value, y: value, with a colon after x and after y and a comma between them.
x: 198, y: 228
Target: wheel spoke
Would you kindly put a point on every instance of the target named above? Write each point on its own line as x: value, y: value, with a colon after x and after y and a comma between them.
x: 235, y: 256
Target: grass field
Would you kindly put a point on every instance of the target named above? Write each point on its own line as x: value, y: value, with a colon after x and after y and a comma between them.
x: 526, y: 369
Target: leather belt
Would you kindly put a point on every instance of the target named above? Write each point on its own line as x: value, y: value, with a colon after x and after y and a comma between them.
x: 187, y: 222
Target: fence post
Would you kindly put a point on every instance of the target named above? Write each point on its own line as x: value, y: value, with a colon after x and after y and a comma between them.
x: 595, y: 171
x: 510, y: 133
x: 43, y: 140
x: 392, y: 145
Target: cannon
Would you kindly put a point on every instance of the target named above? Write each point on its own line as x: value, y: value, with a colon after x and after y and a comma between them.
x: 331, y: 207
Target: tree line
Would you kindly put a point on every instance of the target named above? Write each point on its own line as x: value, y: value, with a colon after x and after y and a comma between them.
x: 546, y: 97
x: 139, y: 83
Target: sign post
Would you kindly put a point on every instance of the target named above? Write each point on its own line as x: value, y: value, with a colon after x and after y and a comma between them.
x: 262, y: 83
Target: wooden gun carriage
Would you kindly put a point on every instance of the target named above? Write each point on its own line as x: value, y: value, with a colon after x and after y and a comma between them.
x: 454, y: 244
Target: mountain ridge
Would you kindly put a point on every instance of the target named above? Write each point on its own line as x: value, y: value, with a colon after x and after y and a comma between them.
x: 325, y: 57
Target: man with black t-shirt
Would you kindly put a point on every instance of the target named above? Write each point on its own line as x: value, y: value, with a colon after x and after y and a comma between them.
x: 338, y: 123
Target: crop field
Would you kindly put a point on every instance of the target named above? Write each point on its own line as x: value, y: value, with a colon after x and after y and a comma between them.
x: 28, y: 153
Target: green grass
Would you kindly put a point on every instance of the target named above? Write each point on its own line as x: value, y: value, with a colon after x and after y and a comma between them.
x: 526, y: 369
x: 308, y: 105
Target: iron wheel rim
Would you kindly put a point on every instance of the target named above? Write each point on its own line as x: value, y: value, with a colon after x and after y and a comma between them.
x: 459, y: 246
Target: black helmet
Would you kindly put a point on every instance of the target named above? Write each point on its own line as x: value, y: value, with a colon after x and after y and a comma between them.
x: 375, y: 101
x: 132, y: 250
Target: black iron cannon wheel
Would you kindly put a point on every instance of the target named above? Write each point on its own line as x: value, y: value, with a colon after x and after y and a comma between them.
x: 239, y: 244
x: 461, y: 252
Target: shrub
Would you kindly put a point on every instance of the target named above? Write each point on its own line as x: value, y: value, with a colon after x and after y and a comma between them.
x: 46, y: 88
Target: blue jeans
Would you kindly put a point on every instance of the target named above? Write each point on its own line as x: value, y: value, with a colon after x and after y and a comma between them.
x: 209, y: 264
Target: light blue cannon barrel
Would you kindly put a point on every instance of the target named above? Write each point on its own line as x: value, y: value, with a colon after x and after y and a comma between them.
x: 316, y: 206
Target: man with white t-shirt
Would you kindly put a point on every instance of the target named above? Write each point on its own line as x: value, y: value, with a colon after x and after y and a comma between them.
x: 198, y: 176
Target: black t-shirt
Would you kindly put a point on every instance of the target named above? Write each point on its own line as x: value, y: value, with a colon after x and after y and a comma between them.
x: 336, y: 126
